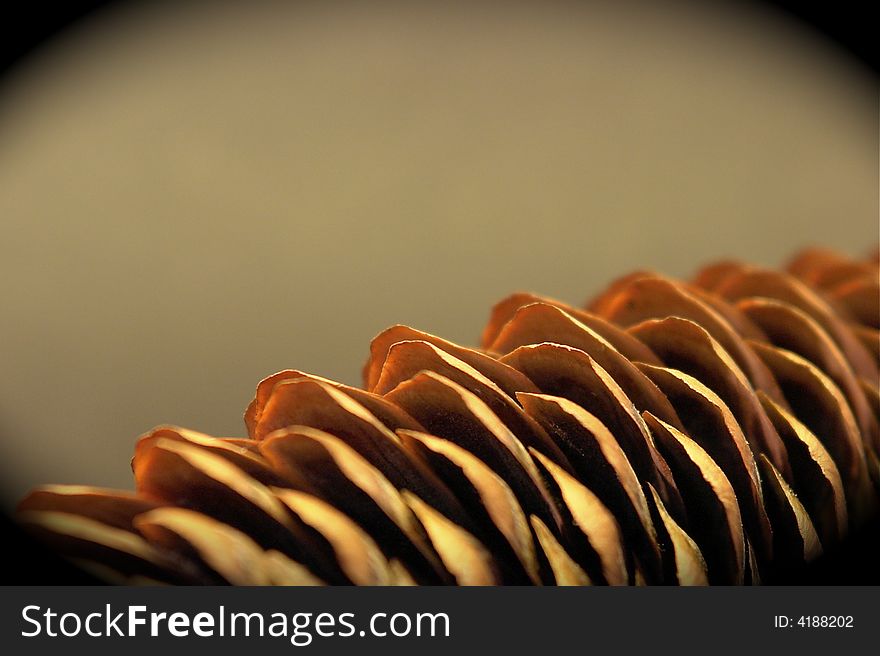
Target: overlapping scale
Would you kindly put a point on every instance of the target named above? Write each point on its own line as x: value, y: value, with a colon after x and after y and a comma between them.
x: 721, y: 430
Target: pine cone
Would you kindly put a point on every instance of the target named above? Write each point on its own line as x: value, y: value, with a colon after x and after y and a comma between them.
x: 718, y: 431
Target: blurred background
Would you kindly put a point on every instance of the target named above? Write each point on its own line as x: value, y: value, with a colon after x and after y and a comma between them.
x: 197, y: 194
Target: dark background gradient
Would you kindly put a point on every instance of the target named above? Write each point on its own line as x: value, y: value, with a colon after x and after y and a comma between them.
x: 194, y: 195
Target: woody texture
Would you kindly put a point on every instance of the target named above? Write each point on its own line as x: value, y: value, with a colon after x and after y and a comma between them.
x: 721, y: 430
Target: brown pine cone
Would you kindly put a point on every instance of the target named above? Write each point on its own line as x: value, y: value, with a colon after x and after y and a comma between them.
x: 722, y: 430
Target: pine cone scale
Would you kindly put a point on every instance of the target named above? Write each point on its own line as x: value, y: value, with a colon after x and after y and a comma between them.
x: 724, y: 430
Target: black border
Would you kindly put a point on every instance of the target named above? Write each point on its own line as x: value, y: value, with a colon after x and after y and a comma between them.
x: 25, y: 28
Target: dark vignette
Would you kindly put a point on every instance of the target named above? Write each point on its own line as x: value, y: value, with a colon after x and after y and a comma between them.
x: 848, y: 23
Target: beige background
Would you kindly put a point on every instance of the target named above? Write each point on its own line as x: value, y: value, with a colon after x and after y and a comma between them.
x: 193, y: 197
